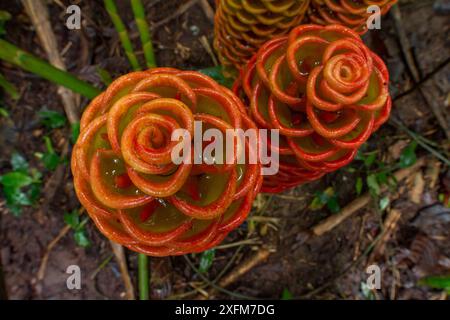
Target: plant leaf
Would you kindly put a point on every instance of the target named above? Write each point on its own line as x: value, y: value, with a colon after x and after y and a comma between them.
x: 382, y: 178
x: 81, y: 238
x: 15, y: 179
x: 373, y: 185
x: 52, y: 119
x: 51, y: 160
x: 333, y: 205
x: 316, y: 204
x: 15, y: 199
x: 206, y: 260
x: 4, y: 112
x: 15, y: 196
x: 359, y: 185
x: 366, y: 291
x: 286, y: 295
x: 34, y: 192
x: 72, y: 219
x: 326, y: 197
x: 12, y: 183
x: 370, y: 159
x: 437, y: 282
x: 408, y: 156
x: 359, y: 155
x: 384, y: 202
x: 18, y: 162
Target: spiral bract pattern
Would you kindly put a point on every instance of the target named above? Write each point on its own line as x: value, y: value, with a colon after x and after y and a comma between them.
x: 123, y: 167
x: 242, y: 26
x: 324, y: 90
x: 354, y: 14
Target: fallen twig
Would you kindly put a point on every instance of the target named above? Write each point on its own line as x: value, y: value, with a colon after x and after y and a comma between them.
x: 389, y: 226
x: 238, y: 243
x: 404, y: 42
x: 121, y: 260
x: 209, y: 12
x: 245, y: 267
x: 50, y: 246
x: 336, y: 219
x: 204, y: 42
x: 436, y: 109
x: 38, y: 13
x: 288, y: 197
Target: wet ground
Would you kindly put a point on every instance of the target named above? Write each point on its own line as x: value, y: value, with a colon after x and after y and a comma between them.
x: 331, y: 266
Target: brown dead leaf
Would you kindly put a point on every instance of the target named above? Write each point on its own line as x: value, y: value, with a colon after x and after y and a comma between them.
x: 389, y: 227
x: 432, y: 173
x: 416, y: 192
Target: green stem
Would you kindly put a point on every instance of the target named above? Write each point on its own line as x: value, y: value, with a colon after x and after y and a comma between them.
x: 143, y: 277
x: 14, y: 55
x: 146, y: 40
x: 9, y: 87
x: 111, y: 8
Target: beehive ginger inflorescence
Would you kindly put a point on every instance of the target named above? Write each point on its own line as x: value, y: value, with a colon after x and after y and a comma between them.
x: 125, y: 176
x: 242, y: 26
x: 354, y: 14
x: 324, y: 90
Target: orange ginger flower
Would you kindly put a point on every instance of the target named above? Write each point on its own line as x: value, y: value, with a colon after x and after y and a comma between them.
x: 350, y: 13
x: 324, y: 90
x: 125, y: 177
x: 242, y: 26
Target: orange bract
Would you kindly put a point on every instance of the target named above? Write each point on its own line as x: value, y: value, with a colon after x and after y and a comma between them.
x: 242, y: 26
x: 350, y: 13
x: 123, y: 170
x: 324, y: 90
